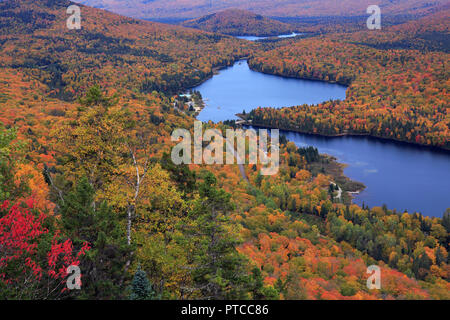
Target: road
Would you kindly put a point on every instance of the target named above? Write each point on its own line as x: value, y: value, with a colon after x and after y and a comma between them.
x: 241, y: 166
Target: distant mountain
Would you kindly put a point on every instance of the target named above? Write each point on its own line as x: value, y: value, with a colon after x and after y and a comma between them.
x: 239, y: 22
x: 188, y: 9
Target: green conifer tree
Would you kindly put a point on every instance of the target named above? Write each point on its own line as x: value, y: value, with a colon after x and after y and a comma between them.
x: 221, y: 271
x: 103, y: 268
x: 141, y: 288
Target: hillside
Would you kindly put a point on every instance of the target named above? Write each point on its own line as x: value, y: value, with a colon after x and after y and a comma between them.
x: 239, y: 23
x: 430, y: 33
x: 34, y: 38
x: 176, y: 9
x: 394, y: 92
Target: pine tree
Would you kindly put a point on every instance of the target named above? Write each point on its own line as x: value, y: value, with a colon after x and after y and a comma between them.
x: 85, y: 221
x: 221, y: 271
x: 78, y: 212
x: 95, y: 97
x: 261, y: 292
x: 421, y: 266
x: 439, y: 256
x: 181, y: 174
x: 141, y: 288
x: 446, y: 220
x: 259, y: 179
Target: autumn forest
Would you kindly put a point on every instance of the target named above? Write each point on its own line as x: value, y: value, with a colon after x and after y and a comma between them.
x: 87, y: 179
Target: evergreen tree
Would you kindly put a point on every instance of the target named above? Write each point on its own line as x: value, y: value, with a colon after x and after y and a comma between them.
x: 221, y: 271
x: 78, y: 212
x: 439, y: 256
x: 95, y: 97
x: 259, y: 179
x: 181, y: 174
x: 85, y: 221
x: 421, y: 266
x: 141, y: 288
x: 446, y: 220
x: 331, y: 191
x: 261, y: 292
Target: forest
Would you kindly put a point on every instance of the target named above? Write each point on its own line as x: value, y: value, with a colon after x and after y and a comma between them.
x: 239, y: 23
x: 396, y: 94
x: 86, y: 177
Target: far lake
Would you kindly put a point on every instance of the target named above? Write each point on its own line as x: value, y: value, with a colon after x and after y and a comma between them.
x: 402, y: 176
x: 282, y: 36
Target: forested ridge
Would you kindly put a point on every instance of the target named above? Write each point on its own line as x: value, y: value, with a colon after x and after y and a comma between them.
x: 393, y: 93
x: 429, y: 33
x: 86, y: 177
x: 239, y: 23
x: 117, y: 51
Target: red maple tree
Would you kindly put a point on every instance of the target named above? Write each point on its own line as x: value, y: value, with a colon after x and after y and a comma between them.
x: 33, y: 258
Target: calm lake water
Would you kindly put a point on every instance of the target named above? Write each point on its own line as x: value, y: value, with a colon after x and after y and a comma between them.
x: 399, y: 175
x: 255, y: 38
x: 238, y: 88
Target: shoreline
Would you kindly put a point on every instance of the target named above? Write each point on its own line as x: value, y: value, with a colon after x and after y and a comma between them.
x: 352, y: 190
x: 296, y: 77
x: 349, y: 187
x: 215, y: 71
x: 432, y: 147
x: 348, y: 134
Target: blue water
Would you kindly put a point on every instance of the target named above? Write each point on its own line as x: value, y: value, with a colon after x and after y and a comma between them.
x: 255, y: 38
x: 238, y: 88
x: 402, y: 176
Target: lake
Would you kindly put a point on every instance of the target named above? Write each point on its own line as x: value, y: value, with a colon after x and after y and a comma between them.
x: 238, y: 88
x: 402, y: 176
x: 282, y: 36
